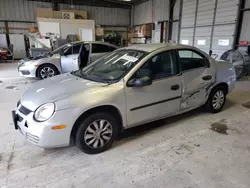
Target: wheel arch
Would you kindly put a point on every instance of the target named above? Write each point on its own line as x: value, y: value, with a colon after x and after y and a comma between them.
x: 222, y: 84
x: 104, y: 108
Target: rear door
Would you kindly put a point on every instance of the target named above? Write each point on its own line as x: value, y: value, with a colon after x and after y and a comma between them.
x: 98, y: 50
x: 197, y: 77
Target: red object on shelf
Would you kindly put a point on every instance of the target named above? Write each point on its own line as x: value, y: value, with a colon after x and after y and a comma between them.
x: 244, y: 43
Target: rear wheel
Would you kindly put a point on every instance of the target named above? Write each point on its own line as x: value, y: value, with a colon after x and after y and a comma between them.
x: 216, y: 99
x: 96, y: 133
x: 46, y: 71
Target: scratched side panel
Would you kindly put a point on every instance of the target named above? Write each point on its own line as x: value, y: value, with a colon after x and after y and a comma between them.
x: 195, y: 89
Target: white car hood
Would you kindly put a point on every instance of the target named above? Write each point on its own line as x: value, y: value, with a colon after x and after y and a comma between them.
x: 54, y: 89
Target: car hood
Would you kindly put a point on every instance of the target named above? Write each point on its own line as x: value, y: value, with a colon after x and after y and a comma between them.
x: 54, y: 89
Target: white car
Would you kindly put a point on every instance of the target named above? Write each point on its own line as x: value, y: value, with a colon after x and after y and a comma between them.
x: 128, y: 87
x: 67, y: 58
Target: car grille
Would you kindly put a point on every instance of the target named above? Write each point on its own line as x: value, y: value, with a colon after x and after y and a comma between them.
x: 24, y: 110
x: 32, y: 138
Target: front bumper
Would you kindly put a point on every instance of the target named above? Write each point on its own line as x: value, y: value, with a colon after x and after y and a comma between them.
x: 41, y: 133
x: 27, y: 71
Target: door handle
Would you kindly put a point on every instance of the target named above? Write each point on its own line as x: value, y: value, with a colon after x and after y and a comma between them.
x: 208, y: 77
x: 175, y: 87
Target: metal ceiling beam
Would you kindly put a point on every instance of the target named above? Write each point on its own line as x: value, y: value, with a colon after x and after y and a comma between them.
x: 139, y: 2
x: 99, y: 3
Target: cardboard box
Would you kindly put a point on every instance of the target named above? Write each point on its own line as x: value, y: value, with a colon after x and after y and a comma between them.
x: 99, y: 32
x: 49, y: 13
x: 68, y: 15
x: 44, y: 13
x: 79, y: 14
x: 33, y: 29
x: 57, y: 14
x: 131, y: 35
x: 146, y: 30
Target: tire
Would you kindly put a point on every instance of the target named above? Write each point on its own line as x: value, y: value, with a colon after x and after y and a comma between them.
x: 218, y: 92
x: 93, y: 141
x: 46, y: 71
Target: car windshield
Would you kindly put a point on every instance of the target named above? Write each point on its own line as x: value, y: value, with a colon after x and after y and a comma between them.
x: 111, y: 67
x: 62, y: 48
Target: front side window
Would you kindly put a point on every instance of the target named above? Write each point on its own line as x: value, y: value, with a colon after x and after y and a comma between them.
x: 191, y: 60
x: 112, y: 66
x: 160, y: 66
x: 76, y: 48
x: 63, y: 48
x: 111, y: 48
x: 100, y: 48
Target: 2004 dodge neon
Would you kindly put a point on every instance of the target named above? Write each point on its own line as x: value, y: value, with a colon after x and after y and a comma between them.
x: 128, y: 87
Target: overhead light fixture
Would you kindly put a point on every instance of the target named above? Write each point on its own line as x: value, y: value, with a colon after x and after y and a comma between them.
x: 126, y: 0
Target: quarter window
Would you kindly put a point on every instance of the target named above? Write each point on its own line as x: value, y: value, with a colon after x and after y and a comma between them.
x: 191, y: 60
x: 160, y: 66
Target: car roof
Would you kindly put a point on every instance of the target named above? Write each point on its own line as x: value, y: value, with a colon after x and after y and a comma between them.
x: 153, y: 47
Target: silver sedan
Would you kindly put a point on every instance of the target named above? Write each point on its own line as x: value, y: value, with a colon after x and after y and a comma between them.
x: 123, y: 89
x: 67, y: 58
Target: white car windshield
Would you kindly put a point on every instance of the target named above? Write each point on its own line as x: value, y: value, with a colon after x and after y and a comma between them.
x: 112, y: 66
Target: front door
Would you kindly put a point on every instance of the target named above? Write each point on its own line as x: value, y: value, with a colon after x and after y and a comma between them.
x: 197, y: 75
x: 69, y: 61
x: 160, y: 99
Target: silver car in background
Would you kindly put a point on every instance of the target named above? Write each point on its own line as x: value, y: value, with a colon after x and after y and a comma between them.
x: 128, y: 87
x: 67, y: 58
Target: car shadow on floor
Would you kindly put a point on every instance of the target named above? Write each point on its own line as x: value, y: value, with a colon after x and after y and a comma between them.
x: 141, y: 130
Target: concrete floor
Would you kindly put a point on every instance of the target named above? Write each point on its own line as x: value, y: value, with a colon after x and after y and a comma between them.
x: 180, y: 152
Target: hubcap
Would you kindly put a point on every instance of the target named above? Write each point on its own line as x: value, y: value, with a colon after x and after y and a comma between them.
x: 98, y: 133
x: 47, y: 72
x: 218, y: 100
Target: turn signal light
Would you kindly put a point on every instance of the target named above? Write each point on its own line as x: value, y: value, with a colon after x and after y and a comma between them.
x: 58, y: 127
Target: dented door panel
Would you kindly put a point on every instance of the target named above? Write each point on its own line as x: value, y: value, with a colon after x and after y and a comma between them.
x: 195, y: 86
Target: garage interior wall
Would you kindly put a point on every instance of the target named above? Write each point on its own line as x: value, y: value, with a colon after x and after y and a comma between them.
x: 25, y: 11
x: 150, y: 11
x: 209, y: 24
x: 245, y: 29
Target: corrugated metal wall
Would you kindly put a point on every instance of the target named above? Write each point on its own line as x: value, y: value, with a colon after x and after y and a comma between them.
x: 245, y: 30
x: 20, y: 10
x: 176, y: 10
x: 209, y: 24
x: 23, y: 10
x: 150, y: 11
x: 143, y: 13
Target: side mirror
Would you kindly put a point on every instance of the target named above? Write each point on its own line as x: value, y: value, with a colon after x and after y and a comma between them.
x: 140, y: 82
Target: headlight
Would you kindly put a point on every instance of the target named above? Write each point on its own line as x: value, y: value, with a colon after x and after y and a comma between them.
x: 44, y: 112
x: 29, y: 64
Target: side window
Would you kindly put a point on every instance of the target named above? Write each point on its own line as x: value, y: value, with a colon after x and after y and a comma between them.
x: 160, y: 66
x: 111, y: 48
x: 76, y: 48
x: 191, y: 60
x: 100, y: 48
x: 68, y: 51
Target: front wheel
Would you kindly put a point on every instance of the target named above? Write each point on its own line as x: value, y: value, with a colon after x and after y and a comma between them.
x: 46, y: 71
x: 96, y: 133
x: 216, y: 99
